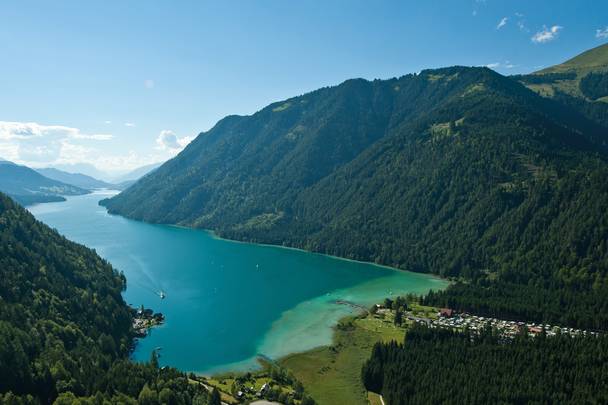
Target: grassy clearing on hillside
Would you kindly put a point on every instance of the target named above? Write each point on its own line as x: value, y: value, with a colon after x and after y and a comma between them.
x: 236, y: 387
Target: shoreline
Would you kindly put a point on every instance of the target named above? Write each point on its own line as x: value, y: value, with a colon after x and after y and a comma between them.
x: 334, y: 324
x: 214, y: 235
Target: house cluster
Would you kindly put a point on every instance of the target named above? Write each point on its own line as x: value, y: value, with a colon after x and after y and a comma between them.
x: 448, y: 318
x: 251, y: 390
x: 144, y: 319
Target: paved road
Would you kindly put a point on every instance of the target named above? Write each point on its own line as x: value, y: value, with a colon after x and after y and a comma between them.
x: 264, y: 402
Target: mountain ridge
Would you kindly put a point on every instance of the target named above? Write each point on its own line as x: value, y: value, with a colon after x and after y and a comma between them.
x: 453, y: 171
x: 65, y: 329
x: 76, y: 179
x: 591, y: 59
x: 28, y: 186
x: 580, y: 83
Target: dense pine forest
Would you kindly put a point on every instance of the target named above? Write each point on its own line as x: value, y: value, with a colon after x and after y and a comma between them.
x: 65, y: 331
x: 458, y: 171
x: 439, y: 366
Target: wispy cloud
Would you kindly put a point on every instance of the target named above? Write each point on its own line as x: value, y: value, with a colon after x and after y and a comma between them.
x: 477, y: 5
x: 521, y: 23
x: 501, y: 65
x: 502, y: 23
x: 27, y: 130
x: 149, y: 84
x: 168, y: 140
x: 129, y: 124
x: 107, y: 122
x: 546, y: 34
x: 39, y: 145
x: 522, y: 26
x: 601, y: 33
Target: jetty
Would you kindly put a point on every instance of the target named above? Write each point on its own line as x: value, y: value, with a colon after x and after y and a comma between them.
x: 353, y: 305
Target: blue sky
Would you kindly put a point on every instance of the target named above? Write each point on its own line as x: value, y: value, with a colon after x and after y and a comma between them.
x: 120, y: 84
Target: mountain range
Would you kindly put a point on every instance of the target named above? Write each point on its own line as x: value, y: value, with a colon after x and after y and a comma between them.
x: 89, y: 182
x: 27, y: 186
x: 75, y: 179
x: 30, y: 186
x: 458, y: 171
x: 123, y: 178
x: 135, y: 174
x: 499, y: 183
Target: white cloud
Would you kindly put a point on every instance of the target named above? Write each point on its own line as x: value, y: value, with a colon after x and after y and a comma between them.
x: 168, y: 140
x: 149, y: 84
x: 129, y: 124
x: 601, y: 33
x: 107, y: 122
x: 28, y: 130
x: 38, y: 145
x: 502, y: 23
x: 498, y: 65
x: 9, y: 151
x: 547, y: 34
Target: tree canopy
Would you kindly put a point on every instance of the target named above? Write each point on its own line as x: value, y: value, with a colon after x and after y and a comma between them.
x: 65, y: 330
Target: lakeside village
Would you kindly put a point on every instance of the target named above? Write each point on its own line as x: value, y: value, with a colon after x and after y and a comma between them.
x: 271, y: 382
x: 274, y: 383
x: 447, y: 318
x: 144, y: 319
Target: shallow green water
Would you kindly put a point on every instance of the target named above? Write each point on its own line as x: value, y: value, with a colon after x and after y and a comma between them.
x: 226, y: 301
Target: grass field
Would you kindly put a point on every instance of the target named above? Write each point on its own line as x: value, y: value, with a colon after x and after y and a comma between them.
x: 332, y: 375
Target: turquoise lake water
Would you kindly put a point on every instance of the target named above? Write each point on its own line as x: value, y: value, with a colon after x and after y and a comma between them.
x: 227, y: 302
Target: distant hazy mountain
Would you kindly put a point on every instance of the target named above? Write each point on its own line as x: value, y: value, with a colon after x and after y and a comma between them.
x: 125, y: 184
x: 75, y: 179
x: 87, y: 181
x: 83, y: 168
x: 136, y: 174
x: 28, y: 186
x: 458, y: 171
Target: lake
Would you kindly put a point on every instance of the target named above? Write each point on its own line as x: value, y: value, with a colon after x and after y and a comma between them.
x: 226, y: 302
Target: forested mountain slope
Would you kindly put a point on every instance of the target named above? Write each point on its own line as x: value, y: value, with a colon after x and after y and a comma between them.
x: 65, y: 330
x: 580, y: 83
x: 457, y: 171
